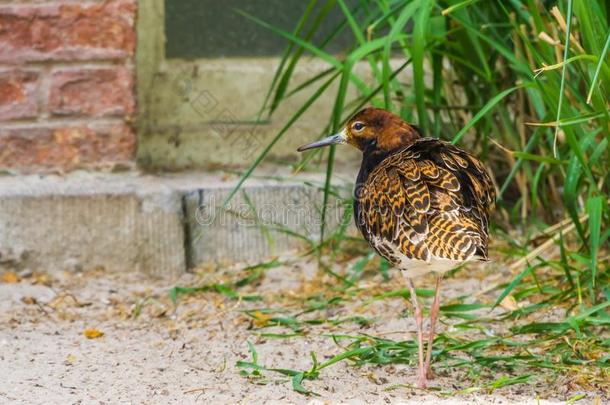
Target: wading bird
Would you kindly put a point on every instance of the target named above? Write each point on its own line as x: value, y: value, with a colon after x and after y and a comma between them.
x: 423, y: 204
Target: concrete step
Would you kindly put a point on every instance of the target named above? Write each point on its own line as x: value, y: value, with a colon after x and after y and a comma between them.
x: 160, y: 225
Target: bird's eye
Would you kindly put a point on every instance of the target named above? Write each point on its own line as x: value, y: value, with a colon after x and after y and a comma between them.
x: 358, y: 126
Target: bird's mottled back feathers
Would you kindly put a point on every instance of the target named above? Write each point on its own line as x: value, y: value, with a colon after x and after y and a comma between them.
x: 430, y: 200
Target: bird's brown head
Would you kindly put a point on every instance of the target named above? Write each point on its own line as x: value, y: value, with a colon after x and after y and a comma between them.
x: 372, y: 127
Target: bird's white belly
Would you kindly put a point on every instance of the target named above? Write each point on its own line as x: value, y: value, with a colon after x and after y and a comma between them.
x: 414, y: 268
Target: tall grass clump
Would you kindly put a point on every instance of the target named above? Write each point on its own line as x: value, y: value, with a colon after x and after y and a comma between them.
x: 525, y: 84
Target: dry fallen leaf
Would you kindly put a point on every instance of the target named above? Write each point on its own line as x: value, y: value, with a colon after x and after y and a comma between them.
x: 261, y: 320
x: 42, y: 279
x: 548, y: 39
x: 93, y: 333
x: 29, y: 300
x: 509, y: 303
x: 10, y: 277
x: 71, y: 359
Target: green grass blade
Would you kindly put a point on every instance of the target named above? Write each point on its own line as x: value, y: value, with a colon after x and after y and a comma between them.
x: 563, y: 76
x: 538, y: 158
x: 486, y: 108
x: 516, y: 281
x: 420, y: 36
x: 327, y: 184
x: 594, y: 209
x: 277, y: 137
x: 458, y: 6
x: 285, y: 56
x: 405, y: 14
x: 326, y: 57
x: 598, y: 68
x: 287, y: 75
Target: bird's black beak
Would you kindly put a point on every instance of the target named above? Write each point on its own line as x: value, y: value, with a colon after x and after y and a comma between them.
x: 336, y: 139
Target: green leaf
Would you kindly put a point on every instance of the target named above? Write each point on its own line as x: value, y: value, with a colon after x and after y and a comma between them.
x: 594, y: 209
x: 328, y: 58
x: 297, y: 379
x: 277, y: 137
x: 512, y: 285
x: 344, y: 355
x: 566, y: 50
x: 538, y: 158
x: 541, y: 327
x: 253, y: 352
x: 458, y: 6
x: 462, y: 307
x: 598, y: 68
x: 405, y: 14
x: 486, y: 108
x: 420, y: 39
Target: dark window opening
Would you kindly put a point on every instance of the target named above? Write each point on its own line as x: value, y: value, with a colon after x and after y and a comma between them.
x: 213, y: 28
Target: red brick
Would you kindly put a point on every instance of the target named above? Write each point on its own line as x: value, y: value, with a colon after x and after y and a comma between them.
x: 39, y: 149
x: 67, y: 31
x: 18, y: 95
x: 92, y: 92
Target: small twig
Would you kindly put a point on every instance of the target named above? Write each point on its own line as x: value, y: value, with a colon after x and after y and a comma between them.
x: 559, y: 225
x: 544, y: 246
x: 221, y: 313
x: 499, y: 145
x: 195, y: 390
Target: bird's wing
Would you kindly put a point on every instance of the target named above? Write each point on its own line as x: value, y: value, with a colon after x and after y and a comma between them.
x: 431, y: 200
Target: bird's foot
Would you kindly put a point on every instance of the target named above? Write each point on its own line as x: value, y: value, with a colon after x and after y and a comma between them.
x: 422, y: 382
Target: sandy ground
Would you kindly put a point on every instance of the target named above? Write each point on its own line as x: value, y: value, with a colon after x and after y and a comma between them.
x: 187, y: 353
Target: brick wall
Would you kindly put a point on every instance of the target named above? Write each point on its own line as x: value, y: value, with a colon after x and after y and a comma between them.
x: 67, y: 92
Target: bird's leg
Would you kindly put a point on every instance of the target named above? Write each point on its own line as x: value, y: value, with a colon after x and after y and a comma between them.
x: 419, y: 319
x: 433, y: 317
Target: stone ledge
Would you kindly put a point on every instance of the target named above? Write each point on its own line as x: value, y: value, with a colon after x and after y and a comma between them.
x: 160, y: 225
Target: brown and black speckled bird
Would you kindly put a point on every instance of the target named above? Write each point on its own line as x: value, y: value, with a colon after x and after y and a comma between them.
x: 421, y: 203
